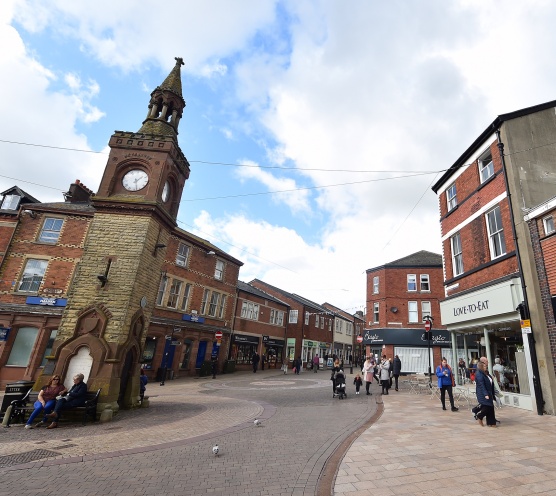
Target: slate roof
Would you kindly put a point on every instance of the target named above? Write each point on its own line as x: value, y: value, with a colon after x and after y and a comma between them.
x: 247, y: 288
x: 295, y: 297
x: 421, y: 258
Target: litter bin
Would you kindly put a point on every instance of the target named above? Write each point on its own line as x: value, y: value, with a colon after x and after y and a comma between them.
x: 15, y: 391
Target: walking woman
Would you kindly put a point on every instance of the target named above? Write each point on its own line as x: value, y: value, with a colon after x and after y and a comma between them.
x: 368, y: 372
x: 384, y: 372
x: 485, y: 390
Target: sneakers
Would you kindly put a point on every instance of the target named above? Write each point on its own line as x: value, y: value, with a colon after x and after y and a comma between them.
x: 28, y: 426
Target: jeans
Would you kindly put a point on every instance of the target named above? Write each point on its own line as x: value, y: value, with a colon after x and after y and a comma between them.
x: 38, y: 409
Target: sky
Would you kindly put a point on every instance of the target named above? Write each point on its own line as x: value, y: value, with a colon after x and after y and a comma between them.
x: 314, y: 128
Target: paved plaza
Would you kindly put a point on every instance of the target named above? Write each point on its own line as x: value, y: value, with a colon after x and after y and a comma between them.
x: 308, y: 443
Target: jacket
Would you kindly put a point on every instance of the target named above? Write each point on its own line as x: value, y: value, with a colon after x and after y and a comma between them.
x: 368, y: 369
x: 444, y: 379
x: 484, y: 387
x: 397, y: 366
x: 77, y: 394
x: 385, y: 370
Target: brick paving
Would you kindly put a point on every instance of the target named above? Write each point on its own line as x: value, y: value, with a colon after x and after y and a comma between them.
x: 414, y: 448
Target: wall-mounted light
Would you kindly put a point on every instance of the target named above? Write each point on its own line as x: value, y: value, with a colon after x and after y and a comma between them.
x: 211, y: 252
x: 30, y: 213
x: 158, y: 246
x: 103, y: 279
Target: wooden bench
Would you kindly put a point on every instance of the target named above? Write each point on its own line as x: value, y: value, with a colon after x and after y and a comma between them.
x: 21, y: 409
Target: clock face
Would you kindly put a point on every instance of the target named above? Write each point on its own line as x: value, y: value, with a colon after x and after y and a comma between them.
x: 166, y: 192
x: 135, y: 180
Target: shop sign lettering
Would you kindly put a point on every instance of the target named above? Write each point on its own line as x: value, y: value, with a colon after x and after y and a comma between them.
x: 435, y: 339
x: 471, y: 308
x: 372, y: 337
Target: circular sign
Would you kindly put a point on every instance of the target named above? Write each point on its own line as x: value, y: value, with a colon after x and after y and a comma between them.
x: 428, y: 325
x: 359, y: 339
x: 218, y: 335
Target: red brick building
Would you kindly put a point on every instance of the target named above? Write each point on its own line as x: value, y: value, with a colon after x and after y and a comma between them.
x: 491, y: 283
x: 260, y: 323
x: 106, y: 283
x: 309, y: 325
x: 400, y: 294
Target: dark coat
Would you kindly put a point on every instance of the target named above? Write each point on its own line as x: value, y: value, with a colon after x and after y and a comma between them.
x: 77, y: 395
x: 484, y: 387
x: 397, y: 366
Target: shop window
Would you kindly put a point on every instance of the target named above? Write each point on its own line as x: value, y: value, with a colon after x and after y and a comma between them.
x: 292, y: 319
x: 425, y: 310
x: 23, y: 346
x: 148, y: 352
x: 375, y: 284
x: 242, y: 353
x: 33, y: 274
x: 187, y: 354
x: 375, y: 312
x: 49, y: 346
x: 50, y: 231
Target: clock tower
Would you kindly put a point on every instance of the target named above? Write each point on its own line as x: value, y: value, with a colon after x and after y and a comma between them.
x: 104, y: 326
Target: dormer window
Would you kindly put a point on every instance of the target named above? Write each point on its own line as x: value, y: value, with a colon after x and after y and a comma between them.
x: 10, y: 202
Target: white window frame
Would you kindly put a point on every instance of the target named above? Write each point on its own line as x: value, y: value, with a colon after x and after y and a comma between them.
x: 375, y: 284
x: 161, y: 290
x: 412, y: 312
x: 307, y: 315
x: 276, y: 317
x: 457, y: 254
x: 425, y: 310
x: 292, y: 317
x: 182, y: 255
x: 322, y: 322
x: 411, y: 279
x: 376, y: 312
x: 250, y: 310
x: 349, y: 328
x: 330, y: 325
x: 51, y: 229
x: 221, y: 307
x: 214, y: 304
x: 495, y: 229
x: 204, y: 301
x: 316, y: 320
x: 219, y: 270
x: 451, y: 197
x: 548, y: 223
x: 486, y: 166
x: 10, y: 202
x: 174, y: 293
x: 186, y: 298
x: 32, y: 275
x: 425, y: 280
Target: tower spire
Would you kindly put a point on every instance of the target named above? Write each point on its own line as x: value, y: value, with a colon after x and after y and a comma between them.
x: 166, y: 105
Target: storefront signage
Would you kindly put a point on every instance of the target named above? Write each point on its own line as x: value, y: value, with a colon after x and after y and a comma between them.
x: 408, y: 337
x: 273, y: 342
x: 193, y: 318
x: 482, y: 305
x: 52, y: 291
x: 239, y: 338
x: 4, y: 331
x: 45, y: 301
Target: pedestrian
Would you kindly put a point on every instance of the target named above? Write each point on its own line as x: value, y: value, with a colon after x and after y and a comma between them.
x: 214, y: 365
x: 368, y: 373
x: 285, y: 366
x: 397, y: 368
x: 445, y: 383
x: 143, y: 379
x: 358, y: 383
x: 46, y: 400
x: 298, y: 365
x: 335, y: 368
x: 315, y: 364
x: 76, y: 396
x: 384, y: 373
x: 263, y: 358
x: 485, y: 391
x: 255, y: 360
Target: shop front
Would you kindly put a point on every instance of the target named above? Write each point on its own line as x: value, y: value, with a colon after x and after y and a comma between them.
x: 242, y: 349
x: 487, y: 320
x: 273, y: 349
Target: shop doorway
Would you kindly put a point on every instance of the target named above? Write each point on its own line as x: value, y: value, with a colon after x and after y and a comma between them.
x: 201, y: 352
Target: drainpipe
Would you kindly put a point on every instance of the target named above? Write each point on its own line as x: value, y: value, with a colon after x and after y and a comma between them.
x: 524, y: 310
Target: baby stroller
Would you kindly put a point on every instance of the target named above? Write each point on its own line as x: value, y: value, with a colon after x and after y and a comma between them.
x: 340, y: 384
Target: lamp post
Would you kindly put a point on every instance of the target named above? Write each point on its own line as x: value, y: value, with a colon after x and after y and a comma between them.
x: 166, y: 353
x: 428, y: 336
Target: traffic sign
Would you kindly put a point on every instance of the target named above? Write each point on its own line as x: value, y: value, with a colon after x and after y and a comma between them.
x: 359, y: 339
x: 428, y: 325
x: 218, y: 335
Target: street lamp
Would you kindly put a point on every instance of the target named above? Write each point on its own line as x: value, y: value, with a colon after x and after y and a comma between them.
x: 428, y: 336
x: 167, y: 352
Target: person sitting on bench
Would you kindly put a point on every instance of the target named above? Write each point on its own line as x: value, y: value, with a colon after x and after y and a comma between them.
x: 76, y: 396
